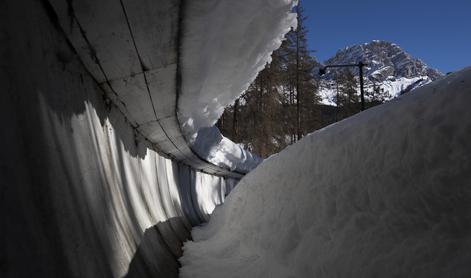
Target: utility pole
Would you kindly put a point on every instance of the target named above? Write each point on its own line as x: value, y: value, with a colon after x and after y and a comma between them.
x: 360, y: 66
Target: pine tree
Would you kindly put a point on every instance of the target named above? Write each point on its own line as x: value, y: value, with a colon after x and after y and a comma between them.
x: 282, y: 104
x: 301, y: 84
x: 260, y: 112
x: 347, y: 98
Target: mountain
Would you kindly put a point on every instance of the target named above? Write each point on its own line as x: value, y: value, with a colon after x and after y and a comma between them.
x: 390, y: 71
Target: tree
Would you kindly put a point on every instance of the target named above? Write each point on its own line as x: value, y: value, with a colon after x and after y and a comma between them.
x: 300, y: 82
x: 347, y: 98
x: 282, y: 104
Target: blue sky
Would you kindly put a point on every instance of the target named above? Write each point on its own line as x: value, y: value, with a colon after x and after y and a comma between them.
x: 437, y: 32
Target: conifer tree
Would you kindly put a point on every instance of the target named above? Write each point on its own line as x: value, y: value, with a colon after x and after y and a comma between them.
x: 347, y: 99
x: 301, y: 83
x: 282, y: 104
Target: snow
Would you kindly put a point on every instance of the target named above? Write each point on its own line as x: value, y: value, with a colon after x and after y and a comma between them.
x: 225, y: 44
x: 390, y: 88
x: 221, y: 151
x: 394, y: 87
x: 385, y: 193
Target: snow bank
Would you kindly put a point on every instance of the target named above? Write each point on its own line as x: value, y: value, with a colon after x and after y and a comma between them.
x: 386, y: 193
x: 225, y: 44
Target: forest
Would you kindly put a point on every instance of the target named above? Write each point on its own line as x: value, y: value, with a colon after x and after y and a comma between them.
x: 283, y: 104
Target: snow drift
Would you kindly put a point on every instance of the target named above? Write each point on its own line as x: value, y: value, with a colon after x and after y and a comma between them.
x: 225, y: 44
x: 385, y: 193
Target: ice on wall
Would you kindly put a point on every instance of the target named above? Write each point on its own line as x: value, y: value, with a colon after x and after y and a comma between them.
x: 385, y: 193
x: 225, y: 44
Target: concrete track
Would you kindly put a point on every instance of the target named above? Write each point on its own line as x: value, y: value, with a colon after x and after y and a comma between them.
x: 96, y: 177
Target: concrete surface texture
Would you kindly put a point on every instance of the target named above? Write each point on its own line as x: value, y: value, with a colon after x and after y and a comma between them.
x: 132, y: 50
x: 86, y: 190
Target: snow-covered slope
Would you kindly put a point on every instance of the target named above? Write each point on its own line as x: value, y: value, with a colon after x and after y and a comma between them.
x: 225, y: 44
x: 385, y: 193
x: 390, y: 69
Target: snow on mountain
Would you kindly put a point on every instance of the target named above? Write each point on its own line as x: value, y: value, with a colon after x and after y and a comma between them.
x: 390, y: 71
x: 384, y: 193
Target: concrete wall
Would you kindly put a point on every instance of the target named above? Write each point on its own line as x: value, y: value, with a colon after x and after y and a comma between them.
x: 82, y: 194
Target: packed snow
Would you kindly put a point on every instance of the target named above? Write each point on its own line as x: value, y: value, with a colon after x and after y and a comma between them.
x: 385, y: 193
x: 225, y: 44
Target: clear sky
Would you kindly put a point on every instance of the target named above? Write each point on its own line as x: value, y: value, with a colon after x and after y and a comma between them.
x: 435, y: 31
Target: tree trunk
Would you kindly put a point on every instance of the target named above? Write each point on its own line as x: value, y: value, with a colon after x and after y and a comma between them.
x: 235, y: 131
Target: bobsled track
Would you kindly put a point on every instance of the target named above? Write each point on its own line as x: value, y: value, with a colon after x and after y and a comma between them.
x: 97, y: 179
x: 105, y: 169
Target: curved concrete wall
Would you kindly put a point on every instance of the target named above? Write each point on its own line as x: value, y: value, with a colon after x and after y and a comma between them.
x: 83, y: 193
x: 132, y: 50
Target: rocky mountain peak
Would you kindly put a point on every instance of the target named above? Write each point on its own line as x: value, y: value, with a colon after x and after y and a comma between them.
x: 384, y: 59
x: 389, y: 68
